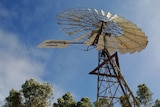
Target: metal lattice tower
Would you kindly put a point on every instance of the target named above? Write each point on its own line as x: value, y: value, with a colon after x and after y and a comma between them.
x: 108, y: 34
x: 110, y: 82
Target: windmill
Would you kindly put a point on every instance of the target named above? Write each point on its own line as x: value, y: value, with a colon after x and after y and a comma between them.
x: 109, y: 34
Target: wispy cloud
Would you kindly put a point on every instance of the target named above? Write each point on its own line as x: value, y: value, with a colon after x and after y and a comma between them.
x: 18, y: 63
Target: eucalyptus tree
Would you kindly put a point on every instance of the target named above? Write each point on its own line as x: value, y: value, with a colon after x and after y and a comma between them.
x: 65, y: 101
x: 144, y: 95
x: 103, y: 102
x: 85, y: 102
x: 32, y: 94
x: 36, y: 94
x: 124, y: 101
x: 14, y: 99
x: 157, y: 103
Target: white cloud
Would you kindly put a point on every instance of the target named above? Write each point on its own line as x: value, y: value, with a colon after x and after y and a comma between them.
x: 17, y: 63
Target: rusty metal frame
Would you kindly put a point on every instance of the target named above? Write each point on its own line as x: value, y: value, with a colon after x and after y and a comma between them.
x: 110, y: 82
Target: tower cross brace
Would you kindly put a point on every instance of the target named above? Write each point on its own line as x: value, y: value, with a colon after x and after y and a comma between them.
x: 111, y: 85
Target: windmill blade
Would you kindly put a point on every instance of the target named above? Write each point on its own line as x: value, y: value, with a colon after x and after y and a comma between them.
x: 114, y: 18
x: 109, y: 15
x: 91, y: 39
x: 109, y: 44
x: 137, y: 32
x: 100, y: 45
x: 130, y: 44
x: 141, y: 40
x: 82, y: 36
x: 56, y: 43
x: 96, y: 11
x: 119, y: 45
x: 103, y: 13
x: 127, y: 24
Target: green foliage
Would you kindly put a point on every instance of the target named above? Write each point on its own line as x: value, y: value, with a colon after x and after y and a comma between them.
x: 34, y: 94
x: 144, y: 95
x: 124, y: 101
x: 14, y: 99
x: 103, y: 102
x: 85, y: 102
x: 65, y: 101
x: 157, y: 103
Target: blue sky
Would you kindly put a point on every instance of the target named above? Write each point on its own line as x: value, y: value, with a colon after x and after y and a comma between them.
x: 26, y: 23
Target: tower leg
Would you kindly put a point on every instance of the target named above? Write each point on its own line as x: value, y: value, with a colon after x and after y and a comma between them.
x: 112, y: 89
